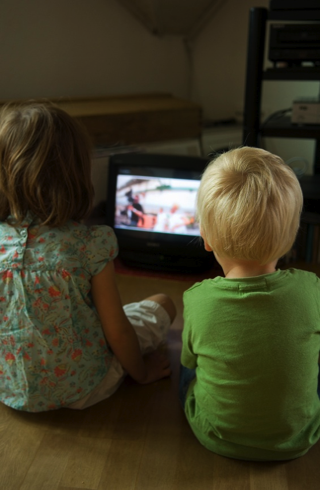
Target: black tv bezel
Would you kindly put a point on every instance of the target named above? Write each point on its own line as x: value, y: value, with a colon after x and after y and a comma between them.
x: 155, y: 249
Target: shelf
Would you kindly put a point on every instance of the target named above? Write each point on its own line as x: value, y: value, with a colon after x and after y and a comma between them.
x: 309, y: 217
x: 283, y: 128
x: 309, y: 14
x: 310, y: 186
x: 292, y: 73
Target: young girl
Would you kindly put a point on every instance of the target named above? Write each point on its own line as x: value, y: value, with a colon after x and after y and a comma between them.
x: 65, y: 339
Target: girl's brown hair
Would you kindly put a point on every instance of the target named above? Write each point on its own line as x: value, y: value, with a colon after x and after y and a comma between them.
x: 45, y: 164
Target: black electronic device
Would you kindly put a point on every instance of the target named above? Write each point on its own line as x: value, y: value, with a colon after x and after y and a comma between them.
x: 151, y: 207
x: 294, y: 43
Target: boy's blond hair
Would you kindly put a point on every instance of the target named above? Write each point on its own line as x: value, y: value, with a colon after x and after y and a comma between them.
x: 45, y: 164
x: 249, y: 205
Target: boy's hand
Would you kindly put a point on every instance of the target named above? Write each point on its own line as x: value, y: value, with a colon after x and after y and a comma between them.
x: 157, y: 365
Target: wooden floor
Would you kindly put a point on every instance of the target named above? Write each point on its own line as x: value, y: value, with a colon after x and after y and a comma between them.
x: 138, y: 439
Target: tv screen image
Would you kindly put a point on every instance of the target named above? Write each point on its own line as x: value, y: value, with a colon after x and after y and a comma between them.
x: 156, y: 204
x: 151, y: 201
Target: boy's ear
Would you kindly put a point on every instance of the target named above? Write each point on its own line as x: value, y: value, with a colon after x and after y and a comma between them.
x: 206, y: 245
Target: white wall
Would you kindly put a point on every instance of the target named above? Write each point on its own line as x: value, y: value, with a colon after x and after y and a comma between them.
x: 71, y: 48
x: 219, y: 54
x: 86, y: 48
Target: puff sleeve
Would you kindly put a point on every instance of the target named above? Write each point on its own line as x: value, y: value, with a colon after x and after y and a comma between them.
x: 100, y: 248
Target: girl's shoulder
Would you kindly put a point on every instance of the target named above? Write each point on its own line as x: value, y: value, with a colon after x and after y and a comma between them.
x: 80, y: 236
x: 51, y: 247
x: 93, y: 246
x: 90, y: 237
x: 70, y: 231
x: 81, y: 230
x: 74, y: 232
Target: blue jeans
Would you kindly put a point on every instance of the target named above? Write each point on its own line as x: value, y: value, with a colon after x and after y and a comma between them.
x: 185, y: 378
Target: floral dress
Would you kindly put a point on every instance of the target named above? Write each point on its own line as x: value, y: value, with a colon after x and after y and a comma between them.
x: 52, y: 347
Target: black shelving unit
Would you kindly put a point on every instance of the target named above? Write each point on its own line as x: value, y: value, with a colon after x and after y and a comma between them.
x: 281, y: 127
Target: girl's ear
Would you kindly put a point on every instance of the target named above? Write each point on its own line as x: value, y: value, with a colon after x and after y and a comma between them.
x: 206, y: 245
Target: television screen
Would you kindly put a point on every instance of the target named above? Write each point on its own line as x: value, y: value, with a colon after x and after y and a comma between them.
x: 151, y: 206
x: 156, y: 204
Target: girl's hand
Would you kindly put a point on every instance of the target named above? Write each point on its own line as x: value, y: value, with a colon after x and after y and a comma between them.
x: 157, y: 366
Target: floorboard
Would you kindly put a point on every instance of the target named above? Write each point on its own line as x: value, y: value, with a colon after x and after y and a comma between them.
x: 137, y: 439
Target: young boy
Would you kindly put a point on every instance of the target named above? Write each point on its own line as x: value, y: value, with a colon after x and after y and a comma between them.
x: 251, y: 339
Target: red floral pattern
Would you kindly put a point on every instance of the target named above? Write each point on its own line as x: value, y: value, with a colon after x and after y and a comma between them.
x: 52, y: 345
